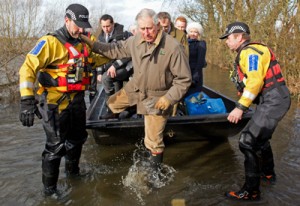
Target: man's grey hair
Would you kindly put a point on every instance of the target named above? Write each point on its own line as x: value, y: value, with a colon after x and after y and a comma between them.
x: 147, y: 13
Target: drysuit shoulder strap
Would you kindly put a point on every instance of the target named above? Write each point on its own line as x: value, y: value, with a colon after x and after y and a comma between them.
x: 59, y: 35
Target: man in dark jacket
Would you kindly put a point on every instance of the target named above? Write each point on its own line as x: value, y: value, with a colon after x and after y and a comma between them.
x: 115, y: 72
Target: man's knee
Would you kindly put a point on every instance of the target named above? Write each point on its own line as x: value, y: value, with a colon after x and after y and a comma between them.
x: 118, y: 102
x: 107, y: 79
x: 247, y: 141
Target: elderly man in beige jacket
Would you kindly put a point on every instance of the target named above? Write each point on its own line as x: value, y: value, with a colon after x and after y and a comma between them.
x: 161, y: 77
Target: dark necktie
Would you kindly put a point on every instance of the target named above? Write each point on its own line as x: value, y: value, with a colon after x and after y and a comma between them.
x: 108, y: 37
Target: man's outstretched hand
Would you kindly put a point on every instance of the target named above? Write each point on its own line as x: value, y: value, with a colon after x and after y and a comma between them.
x: 87, y: 40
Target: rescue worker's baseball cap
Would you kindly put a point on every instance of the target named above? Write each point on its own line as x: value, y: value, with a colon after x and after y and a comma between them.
x: 79, y: 14
x: 235, y: 27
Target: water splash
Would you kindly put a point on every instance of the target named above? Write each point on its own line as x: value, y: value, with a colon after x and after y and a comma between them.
x: 142, y: 179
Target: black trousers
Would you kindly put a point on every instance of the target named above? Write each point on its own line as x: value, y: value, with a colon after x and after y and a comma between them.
x: 65, y: 133
x: 112, y: 85
x: 255, y: 138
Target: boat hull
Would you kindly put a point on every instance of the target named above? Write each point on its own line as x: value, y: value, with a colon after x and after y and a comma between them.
x: 209, y: 126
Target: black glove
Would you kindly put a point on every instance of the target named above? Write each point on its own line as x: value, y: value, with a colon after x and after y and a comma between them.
x: 27, y: 110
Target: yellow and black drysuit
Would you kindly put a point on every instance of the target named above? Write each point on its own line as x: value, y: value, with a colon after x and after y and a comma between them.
x: 259, y: 79
x: 62, y: 65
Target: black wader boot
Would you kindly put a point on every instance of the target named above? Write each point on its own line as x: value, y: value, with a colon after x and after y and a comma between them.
x: 250, y: 190
x: 156, y: 160
x: 155, y: 166
x: 50, y: 175
x: 72, y: 161
x: 268, y: 174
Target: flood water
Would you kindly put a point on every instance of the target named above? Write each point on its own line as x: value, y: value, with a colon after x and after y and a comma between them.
x: 198, y: 172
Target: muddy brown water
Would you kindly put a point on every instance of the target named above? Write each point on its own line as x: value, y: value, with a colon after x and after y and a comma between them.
x: 198, y: 172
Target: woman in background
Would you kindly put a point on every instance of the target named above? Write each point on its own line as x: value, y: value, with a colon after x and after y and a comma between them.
x: 197, y: 49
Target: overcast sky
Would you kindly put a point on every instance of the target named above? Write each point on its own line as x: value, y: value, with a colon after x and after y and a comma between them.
x: 123, y: 11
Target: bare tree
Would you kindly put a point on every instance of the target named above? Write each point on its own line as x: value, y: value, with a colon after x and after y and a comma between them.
x: 18, y: 21
x: 21, y: 24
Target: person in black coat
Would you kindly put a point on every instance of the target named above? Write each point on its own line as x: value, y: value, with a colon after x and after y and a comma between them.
x: 197, y: 51
x: 115, y: 72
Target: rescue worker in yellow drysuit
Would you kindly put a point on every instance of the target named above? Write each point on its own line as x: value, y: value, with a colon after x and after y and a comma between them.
x: 62, y: 65
x: 258, y: 78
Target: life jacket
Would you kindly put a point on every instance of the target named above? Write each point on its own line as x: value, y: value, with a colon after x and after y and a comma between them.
x: 273, y: 76
x: 75, y: 75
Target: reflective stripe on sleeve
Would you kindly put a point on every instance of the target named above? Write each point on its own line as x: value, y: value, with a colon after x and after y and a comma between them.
x: 25, y: 85
x: 249, y: 95
x: 119, y: 62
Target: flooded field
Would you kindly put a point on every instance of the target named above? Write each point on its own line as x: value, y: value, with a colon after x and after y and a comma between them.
x: 197, y: 172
